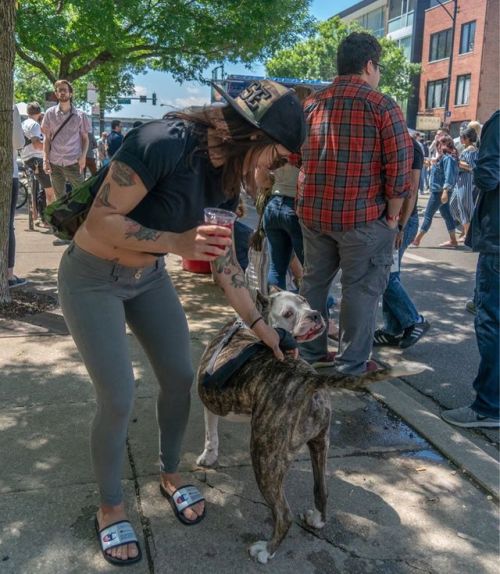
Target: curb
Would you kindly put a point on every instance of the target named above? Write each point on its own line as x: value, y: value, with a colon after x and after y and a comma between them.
x: 453, y: 445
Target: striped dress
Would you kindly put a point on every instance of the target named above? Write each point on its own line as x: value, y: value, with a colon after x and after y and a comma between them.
x: 462, y: 202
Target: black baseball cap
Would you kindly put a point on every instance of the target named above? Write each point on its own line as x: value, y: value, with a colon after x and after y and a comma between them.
x: 272, y: 108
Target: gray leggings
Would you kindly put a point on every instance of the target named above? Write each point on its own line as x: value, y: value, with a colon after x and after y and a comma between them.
x: 97, y: 298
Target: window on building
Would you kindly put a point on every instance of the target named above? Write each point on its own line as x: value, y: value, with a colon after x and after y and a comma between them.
x: 467, y: 36
x: 436, y: 94
x: 400, y: 14
x: 405, y: 45
x: 440, y: 45
x: 462, y: 94
x: 374, y: 22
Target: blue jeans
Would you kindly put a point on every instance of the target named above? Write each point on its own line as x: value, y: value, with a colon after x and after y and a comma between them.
x: 284, y: 236
x: 433, y: 205
x: 487, y: 334
x: 398, y: 309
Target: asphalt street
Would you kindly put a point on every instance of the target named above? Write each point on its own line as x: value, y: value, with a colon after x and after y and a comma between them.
x: 440, y: 281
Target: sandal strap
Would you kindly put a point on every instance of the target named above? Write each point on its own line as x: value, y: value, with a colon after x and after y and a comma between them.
x: 117, y: 534
x: 186, y: 496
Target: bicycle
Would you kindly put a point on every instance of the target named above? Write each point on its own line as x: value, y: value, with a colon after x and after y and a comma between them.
x: 29, y: 190
x: 22, y: 194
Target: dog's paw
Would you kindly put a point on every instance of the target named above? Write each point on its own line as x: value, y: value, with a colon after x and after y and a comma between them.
x: 207, y: 458
x: 313, y: 519
x: 259, y: 552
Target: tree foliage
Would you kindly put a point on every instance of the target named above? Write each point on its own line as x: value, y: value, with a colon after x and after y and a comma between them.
x: 73, y: 38
x: 316, y: 59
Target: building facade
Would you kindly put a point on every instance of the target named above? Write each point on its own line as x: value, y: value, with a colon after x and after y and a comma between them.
x: 465, y: 49
x: 403, y: 22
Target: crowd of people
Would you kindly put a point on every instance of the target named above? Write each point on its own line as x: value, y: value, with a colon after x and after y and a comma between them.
x: 343, y: 173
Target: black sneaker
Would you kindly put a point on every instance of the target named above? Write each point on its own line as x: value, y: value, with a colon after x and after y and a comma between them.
x: 413, y: 334
x: 382, y: 338
x: 17, y: 282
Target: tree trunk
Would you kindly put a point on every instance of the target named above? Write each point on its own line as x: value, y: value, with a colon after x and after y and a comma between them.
x: 7, y: 53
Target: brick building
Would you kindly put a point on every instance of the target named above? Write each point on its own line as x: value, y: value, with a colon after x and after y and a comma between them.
x: 474, y: 93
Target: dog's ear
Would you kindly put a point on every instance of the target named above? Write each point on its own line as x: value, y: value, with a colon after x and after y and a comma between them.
x: 262, y: 303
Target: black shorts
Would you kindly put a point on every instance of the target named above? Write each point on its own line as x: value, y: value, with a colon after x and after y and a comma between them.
x: 36, y: 164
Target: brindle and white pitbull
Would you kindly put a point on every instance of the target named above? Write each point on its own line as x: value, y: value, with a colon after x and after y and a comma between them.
x: 288, y: 404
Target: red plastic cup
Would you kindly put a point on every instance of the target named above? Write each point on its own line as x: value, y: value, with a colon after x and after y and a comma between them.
x: 222, y: 217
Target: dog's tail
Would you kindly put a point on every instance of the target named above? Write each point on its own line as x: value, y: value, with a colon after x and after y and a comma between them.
x: 340, y: 380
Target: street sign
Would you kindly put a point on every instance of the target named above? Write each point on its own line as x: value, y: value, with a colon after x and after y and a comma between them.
x: 124, y: 101
x: 448, y: 114
x: 428, y: 123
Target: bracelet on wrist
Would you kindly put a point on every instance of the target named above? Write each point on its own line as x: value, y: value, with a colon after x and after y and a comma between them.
x: 256, y: 321
x: 392, y: 217
x: 400, y: 227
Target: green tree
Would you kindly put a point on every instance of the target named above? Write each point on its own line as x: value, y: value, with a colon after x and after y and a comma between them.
x: 316, y: 59
x: 31, y: 85
x: 72, y: 38
x: 7, y: 53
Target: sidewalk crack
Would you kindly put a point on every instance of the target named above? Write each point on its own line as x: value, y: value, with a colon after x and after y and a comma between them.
x: 149, y: 542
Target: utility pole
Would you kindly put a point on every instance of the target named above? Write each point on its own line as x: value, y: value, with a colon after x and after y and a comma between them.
x: 450, y: 61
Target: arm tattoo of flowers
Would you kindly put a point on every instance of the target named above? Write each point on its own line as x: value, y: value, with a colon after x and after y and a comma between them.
x: 139, y: 232
x: 102, y: 199
x: 227, y: 265
x: 122, y: 174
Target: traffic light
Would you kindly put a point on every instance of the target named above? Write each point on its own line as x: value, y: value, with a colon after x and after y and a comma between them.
x: 143, y: 99
x: 153, y: 98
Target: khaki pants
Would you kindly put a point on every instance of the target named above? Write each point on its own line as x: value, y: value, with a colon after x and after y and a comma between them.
x: 62, y: 173
x: 365, y: 256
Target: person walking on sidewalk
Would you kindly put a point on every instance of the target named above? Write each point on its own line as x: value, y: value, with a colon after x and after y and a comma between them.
x: 356, y: 166
x: 32, y: 152
x: 66, y: 140
x: 403, y: 324
x: 484, y: 238
x: 115, y: 138
x: 150, y: 202
x: 462, y: 200
x: 444, y: 173
x: 17, y: 143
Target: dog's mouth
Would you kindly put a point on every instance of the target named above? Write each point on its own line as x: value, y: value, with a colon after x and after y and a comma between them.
x: 311, y: 334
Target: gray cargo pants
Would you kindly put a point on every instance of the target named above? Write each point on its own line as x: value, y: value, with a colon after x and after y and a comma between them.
x: 365, y: 256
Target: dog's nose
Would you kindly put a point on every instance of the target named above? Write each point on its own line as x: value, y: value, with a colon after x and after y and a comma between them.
x: 316, y: 317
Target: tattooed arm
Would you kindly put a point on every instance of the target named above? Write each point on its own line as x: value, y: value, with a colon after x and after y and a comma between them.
x: 229, y: 276
x: 120, y: 192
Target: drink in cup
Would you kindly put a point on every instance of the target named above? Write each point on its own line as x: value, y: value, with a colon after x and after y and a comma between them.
x: 222, y: 217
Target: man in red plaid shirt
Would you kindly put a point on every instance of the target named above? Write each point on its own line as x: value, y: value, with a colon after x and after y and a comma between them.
x: 356, y: 164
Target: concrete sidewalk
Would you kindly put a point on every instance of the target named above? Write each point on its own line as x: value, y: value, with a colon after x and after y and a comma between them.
x: 396, y: 506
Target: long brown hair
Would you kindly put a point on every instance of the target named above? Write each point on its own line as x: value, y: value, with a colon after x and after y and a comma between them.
x: 445, y: 145
x: 236, y: 137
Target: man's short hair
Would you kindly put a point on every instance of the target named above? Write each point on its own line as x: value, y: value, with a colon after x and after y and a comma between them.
x: 62, y: 83
x: 33, y: 108
x: 355, y: 51
x: 115, y: 124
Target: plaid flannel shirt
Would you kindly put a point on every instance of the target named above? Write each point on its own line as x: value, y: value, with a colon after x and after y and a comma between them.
x: 357, y: 156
